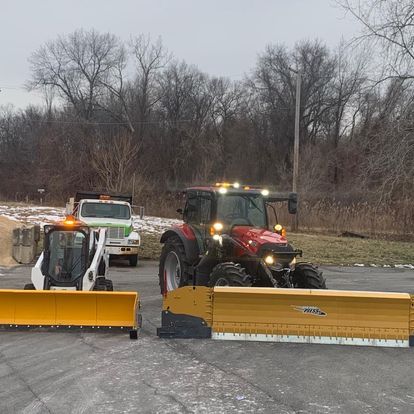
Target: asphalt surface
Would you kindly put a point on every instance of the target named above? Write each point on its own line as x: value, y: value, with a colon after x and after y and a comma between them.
x: 76, y: 372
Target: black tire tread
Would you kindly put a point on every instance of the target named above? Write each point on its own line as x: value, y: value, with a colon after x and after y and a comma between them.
x: 173, y: 243
x: 308, y: 276
x: 236, y: 274
x: 133, y: 260
x: 29, y: 286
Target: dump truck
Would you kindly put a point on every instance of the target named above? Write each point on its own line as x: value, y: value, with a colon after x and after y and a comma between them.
x: 113, y: 211
x: 226, y: 240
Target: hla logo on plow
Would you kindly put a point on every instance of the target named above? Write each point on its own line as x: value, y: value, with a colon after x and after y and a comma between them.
x: 310, y: 310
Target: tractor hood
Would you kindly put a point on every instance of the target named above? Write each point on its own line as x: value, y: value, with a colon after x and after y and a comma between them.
x: 253, y: 238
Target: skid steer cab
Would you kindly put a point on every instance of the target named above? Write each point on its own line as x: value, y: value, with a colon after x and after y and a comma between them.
x: 226, y: 240
x: 73, y: 258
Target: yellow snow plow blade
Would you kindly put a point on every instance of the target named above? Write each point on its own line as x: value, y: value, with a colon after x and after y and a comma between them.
x: 64, y: 308
x: 290, y: 315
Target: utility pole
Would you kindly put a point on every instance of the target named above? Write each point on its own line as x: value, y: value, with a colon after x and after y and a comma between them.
x: 297, y: 127
x: 296, y: 142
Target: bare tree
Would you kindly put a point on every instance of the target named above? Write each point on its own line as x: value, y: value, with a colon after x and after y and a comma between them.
x: 389, y: 24
x: 113, y: 161
x: 79, y: 67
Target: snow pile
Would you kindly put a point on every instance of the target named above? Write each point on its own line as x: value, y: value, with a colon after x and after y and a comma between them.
x: 47, y: 215
x: 154, y: 225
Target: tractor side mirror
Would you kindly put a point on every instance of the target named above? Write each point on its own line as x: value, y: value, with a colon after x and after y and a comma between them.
x: 293, y: 203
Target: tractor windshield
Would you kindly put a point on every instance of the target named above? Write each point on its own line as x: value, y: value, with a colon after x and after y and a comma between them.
x: 107, y: 210
x: 242, y: 210
x: 67, y: 259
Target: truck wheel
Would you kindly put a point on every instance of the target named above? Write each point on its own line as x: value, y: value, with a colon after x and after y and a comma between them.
x: 307, y: 276
x: 29, y: 286
x: 173, y: 268
x: 133, y: 260
x: 229, y: 274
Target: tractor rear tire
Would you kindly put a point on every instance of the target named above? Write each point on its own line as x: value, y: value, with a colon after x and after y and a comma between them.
x: 308, y: 276
x: 229, y: 274
x: 29, y: 286
x: 173, y: 271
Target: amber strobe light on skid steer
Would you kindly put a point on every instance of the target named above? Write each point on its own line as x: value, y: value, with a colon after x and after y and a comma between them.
x: 286, y: 315
x: 70, y: 309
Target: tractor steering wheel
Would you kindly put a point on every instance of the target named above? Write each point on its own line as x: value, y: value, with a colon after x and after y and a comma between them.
x: 232, y: 217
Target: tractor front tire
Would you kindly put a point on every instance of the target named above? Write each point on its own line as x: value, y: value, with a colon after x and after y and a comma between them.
x: 308, y: 276
x: 173, y: 265
x: 229, y: 274
x: 29, y: 286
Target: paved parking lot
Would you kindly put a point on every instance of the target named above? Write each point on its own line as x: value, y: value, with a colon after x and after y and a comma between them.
x: 61, y: 372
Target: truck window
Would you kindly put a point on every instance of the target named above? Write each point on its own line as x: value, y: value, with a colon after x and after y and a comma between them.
x: 106, y: 210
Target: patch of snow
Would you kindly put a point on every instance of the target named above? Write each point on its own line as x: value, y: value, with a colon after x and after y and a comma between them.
x: 386, y: 266
x: 373, y: 265
x: 359, y: 265
x: 46, y: 215
x: 406, y: 266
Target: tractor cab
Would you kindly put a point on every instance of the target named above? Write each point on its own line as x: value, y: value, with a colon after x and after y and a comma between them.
x: 221, y: 208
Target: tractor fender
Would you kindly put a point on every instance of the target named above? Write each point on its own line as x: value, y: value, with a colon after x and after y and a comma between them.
x: 187, y: 237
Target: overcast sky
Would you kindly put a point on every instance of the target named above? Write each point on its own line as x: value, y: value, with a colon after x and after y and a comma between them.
x: 221, y: 37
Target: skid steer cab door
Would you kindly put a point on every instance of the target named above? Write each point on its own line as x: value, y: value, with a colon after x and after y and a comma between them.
x: 197, y: 213
x: 66, y: 257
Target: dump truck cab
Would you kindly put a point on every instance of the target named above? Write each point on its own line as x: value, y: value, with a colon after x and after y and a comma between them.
x: 73, y: 258
x: 226, y: 239
x: 114, y: 212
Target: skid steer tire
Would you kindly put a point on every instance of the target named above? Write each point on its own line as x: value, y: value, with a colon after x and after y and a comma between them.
x: 173, y: 271
x: 100, y: 284
x: 308, y: 276
x: 133, y: 260
x: 229, y: 274
x: 29, y: 286
x: 109, y: 285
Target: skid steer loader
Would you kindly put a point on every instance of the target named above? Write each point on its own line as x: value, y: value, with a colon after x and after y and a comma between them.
x: 225, y: 275
x: 74, y: 258
x: 70, y: 288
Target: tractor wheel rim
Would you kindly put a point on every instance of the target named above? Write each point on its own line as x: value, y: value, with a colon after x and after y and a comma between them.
x: 221, y: 281
x: 172, y: 270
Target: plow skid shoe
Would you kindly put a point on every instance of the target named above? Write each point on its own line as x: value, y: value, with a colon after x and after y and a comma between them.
x: 312, y: 316
x: 187, y: 313
x: 60, y: 309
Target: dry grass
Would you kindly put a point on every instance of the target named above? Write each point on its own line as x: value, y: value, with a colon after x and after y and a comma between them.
x: 325, y: 250
x: 348, y: 251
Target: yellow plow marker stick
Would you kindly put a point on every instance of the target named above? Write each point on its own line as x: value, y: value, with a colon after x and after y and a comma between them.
x: 312, y: 316
x: 60, y: 308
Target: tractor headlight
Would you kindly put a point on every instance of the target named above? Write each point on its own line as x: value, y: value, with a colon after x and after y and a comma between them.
x: 133, y: 241
x: 293, y: 262
x: 269, y: 260
x: 216, y: 228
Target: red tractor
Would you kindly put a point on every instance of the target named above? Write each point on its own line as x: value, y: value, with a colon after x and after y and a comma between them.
x: 225, y: 241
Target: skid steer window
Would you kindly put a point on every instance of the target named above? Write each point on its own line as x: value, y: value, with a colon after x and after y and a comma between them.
x: 66, y: 262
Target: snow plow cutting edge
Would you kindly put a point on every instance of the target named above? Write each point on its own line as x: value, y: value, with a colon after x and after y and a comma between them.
x: 289, y: 315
